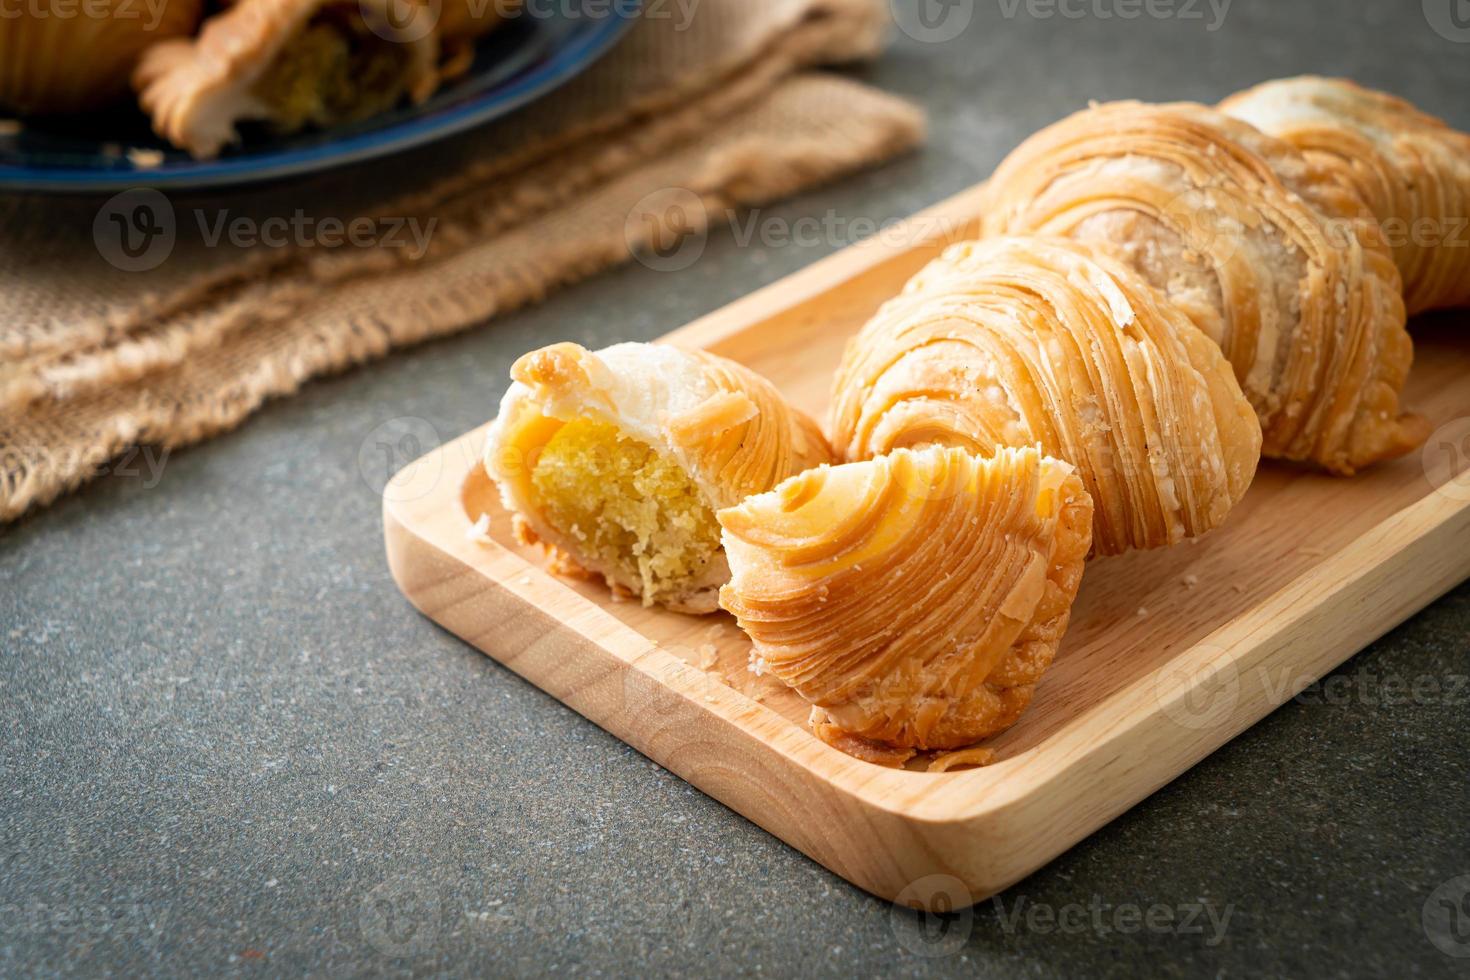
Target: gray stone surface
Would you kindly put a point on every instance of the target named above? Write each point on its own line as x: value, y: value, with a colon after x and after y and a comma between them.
x: 230, y: 747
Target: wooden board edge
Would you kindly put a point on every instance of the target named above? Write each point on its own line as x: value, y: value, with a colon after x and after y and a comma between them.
x: 1103, y: 770
x: 765, y: 779
x: 986, y: 828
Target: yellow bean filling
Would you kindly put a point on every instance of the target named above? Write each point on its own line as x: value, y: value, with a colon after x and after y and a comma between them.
x: 332, y: 73
x: 626, y: 505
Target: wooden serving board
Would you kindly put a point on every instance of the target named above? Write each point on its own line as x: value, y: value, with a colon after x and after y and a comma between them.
x: 1170, y: 653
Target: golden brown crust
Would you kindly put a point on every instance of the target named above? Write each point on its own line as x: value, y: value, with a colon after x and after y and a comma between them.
x: 196, y: 89
x: 1270, y: 254
x: 727, y: 427
x: 1040, y: 341
x: 914, y: 599
x: 1411, y: 168
x: 768, y: 442
x: 54, y: 63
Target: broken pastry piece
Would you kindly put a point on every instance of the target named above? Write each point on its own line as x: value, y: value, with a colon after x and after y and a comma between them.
x: 914, y: 599
x: 1411, y: 169
x: 1274, y: 257
x: 617, y: 461
x: 1032, y: 341
x: 291, y: 64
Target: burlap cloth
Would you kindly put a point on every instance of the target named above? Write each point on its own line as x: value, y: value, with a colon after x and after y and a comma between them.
x: 95, y: 359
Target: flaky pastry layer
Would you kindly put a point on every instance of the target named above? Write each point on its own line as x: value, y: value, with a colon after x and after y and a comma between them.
x: 1268, y: 252
x: 1411, y: 168
x: 1029, y: 341
x: 914, y: 599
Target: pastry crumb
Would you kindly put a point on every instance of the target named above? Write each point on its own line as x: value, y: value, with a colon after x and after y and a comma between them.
x: 1190, y: 581
x: 479, y: 532
x: 145, y: 159
x: 973, y: 757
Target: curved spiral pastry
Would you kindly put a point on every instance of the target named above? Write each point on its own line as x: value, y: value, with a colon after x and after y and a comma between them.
x: 1042, y: 341
x: 1411, y: 169
x: 1271, y: 255
x: 618, y: 459
x: 914, y: 599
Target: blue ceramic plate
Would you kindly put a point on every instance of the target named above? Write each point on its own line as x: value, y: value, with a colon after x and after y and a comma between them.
x: 521, y: 60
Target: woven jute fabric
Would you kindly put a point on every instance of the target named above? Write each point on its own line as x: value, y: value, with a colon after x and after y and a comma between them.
x: 723, y: 108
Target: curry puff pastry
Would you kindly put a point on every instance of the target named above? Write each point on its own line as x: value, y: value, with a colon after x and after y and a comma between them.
x: 293, y: 64
x: 1411, y: 169
x: 618, y: 460
x: 1265, y: 249
x: 914, y: 599
x: 1027, y: 341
